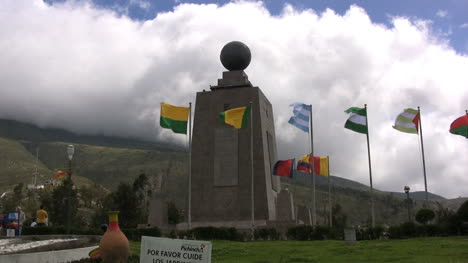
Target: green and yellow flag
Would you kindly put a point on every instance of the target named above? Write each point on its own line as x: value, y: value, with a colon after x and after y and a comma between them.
x: 174, y: 118
x: 237, y: 117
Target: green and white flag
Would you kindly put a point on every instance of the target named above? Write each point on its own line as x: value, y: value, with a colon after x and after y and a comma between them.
x: 357, y: 120
x: 407, y: 121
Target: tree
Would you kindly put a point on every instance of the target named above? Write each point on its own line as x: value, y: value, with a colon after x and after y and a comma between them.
x: 59, y: 204
x: 463, y: 211
x: 125, y: 201
x: 339, y: 218
x: 173, y: 213
x: 142, y: 189
x: 424, y: 215
x: 130, y: 200
x: 10, y: 202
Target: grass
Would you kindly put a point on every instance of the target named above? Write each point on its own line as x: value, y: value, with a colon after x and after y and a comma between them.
x: 427, y: 250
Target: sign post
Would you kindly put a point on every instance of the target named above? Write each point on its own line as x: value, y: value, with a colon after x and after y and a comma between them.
x: 167, y: 250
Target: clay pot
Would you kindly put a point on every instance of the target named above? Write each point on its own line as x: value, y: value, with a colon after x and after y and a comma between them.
x: 114, y: 245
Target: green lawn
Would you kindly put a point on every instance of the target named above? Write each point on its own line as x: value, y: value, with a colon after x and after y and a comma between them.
x: 427, y: 250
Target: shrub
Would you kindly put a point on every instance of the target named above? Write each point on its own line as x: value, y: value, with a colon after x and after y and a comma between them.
x: 463, y: 211
x: 408, y: 229
x: 134, y: 234
x: 213, y: 233
x: 266, y: 234
x: 320, y: 233
x: 424, y: 215
x: 300, y: 232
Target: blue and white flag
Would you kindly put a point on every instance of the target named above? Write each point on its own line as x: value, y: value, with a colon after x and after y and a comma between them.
x: 300, y: 118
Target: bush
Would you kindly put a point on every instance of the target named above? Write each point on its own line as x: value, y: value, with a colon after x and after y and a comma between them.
x: 266, y: 234
x: 424, y: 215
x: 134, y: 234
x: 370, y: 233
x: 408, y: 229
x: 300, y: 233
x: 309, y: 233
x: 320, y: 233
x: 213, y: 233
x: 463, y: 211
x: 394, y: 232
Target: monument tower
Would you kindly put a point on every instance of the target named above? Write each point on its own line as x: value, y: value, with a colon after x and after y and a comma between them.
x: 221, y: 154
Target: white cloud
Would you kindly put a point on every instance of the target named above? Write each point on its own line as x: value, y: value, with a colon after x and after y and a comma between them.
x: 141, y: 4
x: 465, y: 25
x: 442, y: 13
x: 90, y: 71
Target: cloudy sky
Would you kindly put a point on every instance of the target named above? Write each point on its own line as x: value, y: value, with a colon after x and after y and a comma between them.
x: 104, y: 67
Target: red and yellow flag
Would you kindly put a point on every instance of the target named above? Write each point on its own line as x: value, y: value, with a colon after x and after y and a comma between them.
x: 320, y: 164
x: 60, y: 174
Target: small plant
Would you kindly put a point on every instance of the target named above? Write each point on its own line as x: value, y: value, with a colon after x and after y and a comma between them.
x: 423, y: 216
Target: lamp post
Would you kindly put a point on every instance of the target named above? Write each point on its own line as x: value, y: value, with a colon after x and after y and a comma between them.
x: 407, y: 189
x: 70, y: 152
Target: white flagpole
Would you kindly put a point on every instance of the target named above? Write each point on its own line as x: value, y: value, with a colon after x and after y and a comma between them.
x: 314, y: 220
x: 189, y: 217
x: 422, y: 152
x: 252, y: 171
x: 329, y: 192
x: 370, y: 171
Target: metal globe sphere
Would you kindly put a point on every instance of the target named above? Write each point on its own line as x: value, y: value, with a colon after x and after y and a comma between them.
x: 235, y: 55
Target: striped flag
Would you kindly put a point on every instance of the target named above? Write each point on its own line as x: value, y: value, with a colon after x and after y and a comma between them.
x: 60, y: 174
x: 284, y: 168
x: 300, y: 118
x: 320, y: 164
x: 174, y: 118
x: 460, y: 126
x: 357, y: 120
x: 238, y: 117
x: 407, y: 121
x: 304, y: 163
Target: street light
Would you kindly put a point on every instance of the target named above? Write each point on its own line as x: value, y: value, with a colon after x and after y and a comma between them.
x: 70, y: 152
x: 407, y: 189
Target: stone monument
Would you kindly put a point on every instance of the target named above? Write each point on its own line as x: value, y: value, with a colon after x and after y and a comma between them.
x: 221, y: 164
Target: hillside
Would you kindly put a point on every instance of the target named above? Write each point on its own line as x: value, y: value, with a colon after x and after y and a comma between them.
x: 109, y: 163
x: 18, y: 165
x: 28, y: 132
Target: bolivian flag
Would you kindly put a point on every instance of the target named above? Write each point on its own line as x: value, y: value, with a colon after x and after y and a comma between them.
x: 237, y: 117
x: 174, y: 118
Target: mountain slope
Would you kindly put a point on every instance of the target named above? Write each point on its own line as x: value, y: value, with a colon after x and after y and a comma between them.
x: 110, y: 163
x: 32, y: 133
x: 18, y: 165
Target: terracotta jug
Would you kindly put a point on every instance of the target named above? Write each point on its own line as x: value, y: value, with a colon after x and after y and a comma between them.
x: 114, y: 245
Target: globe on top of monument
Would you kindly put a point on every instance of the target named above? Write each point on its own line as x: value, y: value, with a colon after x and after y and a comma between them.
x: 235, y: 55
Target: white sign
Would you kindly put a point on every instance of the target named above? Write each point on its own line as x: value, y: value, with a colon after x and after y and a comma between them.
x: 10, y: 232
x: 167, y: 250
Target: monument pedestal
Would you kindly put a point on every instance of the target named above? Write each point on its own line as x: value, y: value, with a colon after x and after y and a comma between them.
x: 221, y: 165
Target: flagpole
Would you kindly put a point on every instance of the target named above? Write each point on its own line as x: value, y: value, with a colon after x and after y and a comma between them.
x: 312, y: 167
x: 294, y: 198
x: 329, y: 192
x: 189, y: 217
x: 252, y: 171
x: 370, y: 171
x: 422, y: 152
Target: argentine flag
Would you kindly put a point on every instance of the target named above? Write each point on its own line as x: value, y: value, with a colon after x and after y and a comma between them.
x: 300, y: 118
